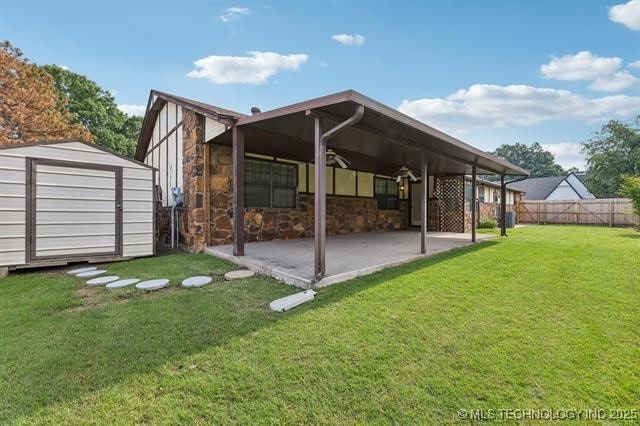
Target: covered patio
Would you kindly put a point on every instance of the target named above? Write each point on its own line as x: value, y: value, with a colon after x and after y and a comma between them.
x: 376, y: 139
x: 348, y: 256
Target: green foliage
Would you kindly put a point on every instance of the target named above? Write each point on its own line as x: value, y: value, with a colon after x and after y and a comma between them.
x: 613, y: 152
x: 630, y: 188
x: 96, y: 109
x: 533, y: 158
x: 487, y: 223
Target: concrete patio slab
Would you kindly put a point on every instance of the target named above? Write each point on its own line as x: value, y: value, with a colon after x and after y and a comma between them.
x: 347, y: 257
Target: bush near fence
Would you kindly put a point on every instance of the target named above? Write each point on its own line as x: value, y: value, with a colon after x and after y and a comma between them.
x: 598, y: 211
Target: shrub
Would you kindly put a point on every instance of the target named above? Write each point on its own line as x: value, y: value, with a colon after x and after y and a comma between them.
x: 487, y: 223
x: 630, y: 188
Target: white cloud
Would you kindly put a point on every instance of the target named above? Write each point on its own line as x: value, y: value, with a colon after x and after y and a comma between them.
x: 627, y: 14
x: 567, y: 154
x: 64, y: 67
x: 232, y: 13
x: 132, y: 109
x: 491, y: 106
x: 581, y: 66
x: 634, y: 64
x: 348, y: 39
x: 616, y: 82
x: 255, y: 68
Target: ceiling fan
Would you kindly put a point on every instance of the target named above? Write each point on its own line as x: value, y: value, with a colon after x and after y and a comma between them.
x: 334, y: 159
x: 404, y: 173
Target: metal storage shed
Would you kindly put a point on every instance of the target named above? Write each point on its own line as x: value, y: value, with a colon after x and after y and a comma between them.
x: 70, y: 201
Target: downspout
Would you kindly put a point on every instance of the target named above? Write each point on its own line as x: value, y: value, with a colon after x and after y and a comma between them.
x: 320, y: 142
x: 503, y: 202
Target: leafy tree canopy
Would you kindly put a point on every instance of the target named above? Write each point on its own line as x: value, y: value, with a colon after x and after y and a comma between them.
x: 612, y: 153
x: 534, y: 158
x: 30, y: 108
x: 630, y: 188
x: 96, y: 109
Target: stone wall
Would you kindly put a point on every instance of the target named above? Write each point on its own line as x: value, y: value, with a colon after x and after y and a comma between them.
x: 345, y: 215
x: 192, y: 213
x: 490, y: 210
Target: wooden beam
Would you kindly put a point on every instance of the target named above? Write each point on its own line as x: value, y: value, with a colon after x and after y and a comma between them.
x: 320, y: 206
x: 473, y: 204
x: 238, y: 191
x: 424, y: 199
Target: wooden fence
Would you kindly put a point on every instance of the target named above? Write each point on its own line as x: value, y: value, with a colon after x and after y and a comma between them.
x: 599, y: 211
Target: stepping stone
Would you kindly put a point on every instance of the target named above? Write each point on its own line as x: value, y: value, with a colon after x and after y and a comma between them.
x: 102, y: 280
x: 239, y: 274
x: 196, y: 281
x: 151, y: 285
x: 81, y: 270
x: 288, y: 302
x: 90, y: 274
x: 122, y: 283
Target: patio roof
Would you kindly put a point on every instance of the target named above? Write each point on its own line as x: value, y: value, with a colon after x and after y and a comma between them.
x: 380, y: 142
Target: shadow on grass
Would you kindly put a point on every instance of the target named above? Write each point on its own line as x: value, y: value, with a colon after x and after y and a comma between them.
x: 51, y: 355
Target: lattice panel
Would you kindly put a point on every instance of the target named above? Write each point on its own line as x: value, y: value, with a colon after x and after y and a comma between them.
x: 450, y: 192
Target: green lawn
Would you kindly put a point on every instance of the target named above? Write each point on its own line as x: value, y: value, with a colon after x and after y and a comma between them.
x: 546, y: 318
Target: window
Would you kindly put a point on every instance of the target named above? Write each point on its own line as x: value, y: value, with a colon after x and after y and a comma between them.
x: 481, y: 194
x: 386, y: 192
x: 468, y: 195
x: 270, y: 184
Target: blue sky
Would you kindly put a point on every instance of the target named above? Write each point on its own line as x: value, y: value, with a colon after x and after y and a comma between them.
x: 489, y: 72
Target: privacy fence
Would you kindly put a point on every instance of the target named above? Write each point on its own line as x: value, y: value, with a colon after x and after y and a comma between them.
x: 601, y: 211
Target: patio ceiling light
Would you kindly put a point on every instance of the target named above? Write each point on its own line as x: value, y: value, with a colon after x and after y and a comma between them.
x: 334, y: 159
x: 404, y: 173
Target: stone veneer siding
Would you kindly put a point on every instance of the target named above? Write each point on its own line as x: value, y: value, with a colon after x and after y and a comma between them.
x: 192, y: 213
x: 345, y: 215
x: 491, y: 210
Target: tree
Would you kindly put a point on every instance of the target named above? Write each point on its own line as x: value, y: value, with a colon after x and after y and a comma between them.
x: 630, y: 188
x: 96, y: 109
x: 533, y: 158
x: 611, y: 153
x: 30, y: 108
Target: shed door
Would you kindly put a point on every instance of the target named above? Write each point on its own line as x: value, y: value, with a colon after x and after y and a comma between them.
x: 75, y: 209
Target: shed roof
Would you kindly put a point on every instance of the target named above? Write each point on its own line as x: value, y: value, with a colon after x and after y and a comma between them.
x: 61, y: 141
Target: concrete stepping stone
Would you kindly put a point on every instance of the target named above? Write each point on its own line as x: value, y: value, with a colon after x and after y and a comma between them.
x: 151, y: 285
x: 81, y: 270
x: 102, y: 280
x: 239, y: 274
x: 90, y: 274
x: 122, y: 283
x: 196, y: 281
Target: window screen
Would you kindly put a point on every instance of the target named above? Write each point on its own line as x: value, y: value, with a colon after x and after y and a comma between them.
x: 386, y: 193
x: 269, y: 184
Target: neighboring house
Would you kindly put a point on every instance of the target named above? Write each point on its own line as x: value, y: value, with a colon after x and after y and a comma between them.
x: 488, y: 196
x: 568, y: 187
x: 254, y: 177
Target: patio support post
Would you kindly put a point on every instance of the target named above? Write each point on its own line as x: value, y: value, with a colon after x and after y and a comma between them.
x: 503, y: 207
x: 238, y: 190
x: 424, y: 199
x: 473, y: 204
x: 320, y: 207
